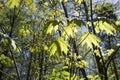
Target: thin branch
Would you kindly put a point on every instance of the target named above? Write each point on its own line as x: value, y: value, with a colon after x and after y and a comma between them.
x: 110, y: 58
x: 65, y: 10
x: 16, y: 67
x: 8, y: 75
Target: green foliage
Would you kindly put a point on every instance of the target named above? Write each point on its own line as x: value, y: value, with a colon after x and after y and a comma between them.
x: 6, y: 61
x: 118, y: 21
x: 13, y: 3
x: 78, y: 1
x: 58, y: 46
x: 95, y: 77
x: 59, y: 74
x: 71, y: 28
x: 7, y: 41
x: 81, y: 64
x: 89, y: 39
x: 50, y: 26
x: 23, y: 32
x: 104, y: 24
x: 105, y: 10
x: 46, y: 34
x: 31, y: 4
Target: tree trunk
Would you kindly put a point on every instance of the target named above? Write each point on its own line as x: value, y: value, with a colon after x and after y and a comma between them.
x: 41, y: 58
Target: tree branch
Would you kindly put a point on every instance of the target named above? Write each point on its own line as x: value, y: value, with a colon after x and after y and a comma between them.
x: 110, y: 58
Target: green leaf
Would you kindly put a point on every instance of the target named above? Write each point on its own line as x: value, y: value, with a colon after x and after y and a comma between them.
x: 31, y: 4
x: 74, y: 77
x: 90, y: 76
x: 78, y: 22
x: 78, y: 1
x: 53, y: 48
x: 7, y: 41
x: 82, y: 78
x: 58, y: 46
x: 76, y: 13
x: 71, y: 28
x: 50, y: 26
x: 89, y: 39
x: 104, y: 24
x: 69, y: 31
x: 12, y: 3
x: 65, y: 73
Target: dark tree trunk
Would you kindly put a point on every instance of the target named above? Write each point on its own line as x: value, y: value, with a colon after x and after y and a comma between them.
x: 41, y: 59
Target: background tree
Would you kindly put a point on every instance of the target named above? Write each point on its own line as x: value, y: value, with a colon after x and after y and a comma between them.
x: 58, y: 40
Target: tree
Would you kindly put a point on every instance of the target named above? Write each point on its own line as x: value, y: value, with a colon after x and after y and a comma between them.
x: 43, y: 40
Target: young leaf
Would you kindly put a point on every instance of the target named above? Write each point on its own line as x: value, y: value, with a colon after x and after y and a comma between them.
x: 31, y: 4
x: 58, y: 46
x: 78, y: 1
x: 104, y: 24
x: 90, y: 76
x: 77, y: 22
x: 65, y: 73
x: 71, y: 29
x: 50, y: 26
x: 12, y: 3
x: 89, y: 39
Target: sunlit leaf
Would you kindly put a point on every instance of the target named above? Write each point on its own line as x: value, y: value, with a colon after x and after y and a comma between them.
x: 69, y: 31
x: 118, y: 21
x: 89, y: 39
x: 110, y: 51
x: 104, y: 24
x: 78, y: 1
x: 90, y: 76
x: 71, y: 28
x: 50, y: 26
x: 58, y: 46
x: 7, y: 41
x: 65, y: 73
x: 12, y: 3
x: 31, y: 4
x: 76, y: 13
x: 97, y: 52
x: 82, y: 78
x: 81, y: 64
x: 74, y: 77
x: 23, y: 32
x: 46, y: 3
x: 59, y: 1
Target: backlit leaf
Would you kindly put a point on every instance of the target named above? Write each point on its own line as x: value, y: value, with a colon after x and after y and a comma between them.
x: 89, y: 39
x: 78, y: 1
x: 90, y: 76
x: 12, y: 3
x: 104, y: 24
x: 58, y: 46
x: 76, y: 13
x: 50, y: 26
x: 31, y: 4
x: 71, y: 29
x: 65, y: 73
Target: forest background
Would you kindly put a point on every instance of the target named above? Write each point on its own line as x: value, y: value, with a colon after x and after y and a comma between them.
x: 59, y: 40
